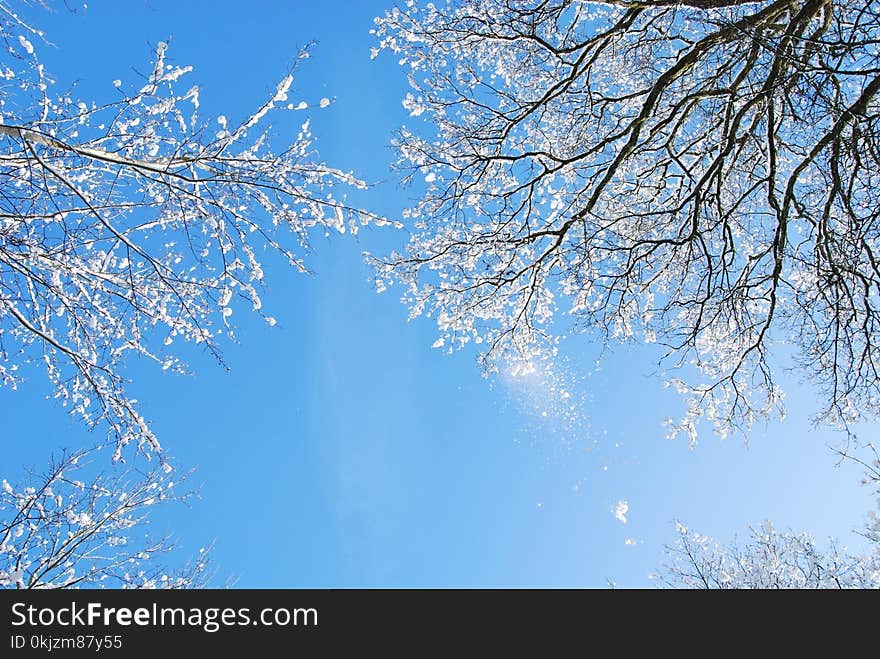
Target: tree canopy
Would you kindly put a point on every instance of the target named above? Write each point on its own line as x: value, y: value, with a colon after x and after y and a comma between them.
x: 132, y: 224
x: 770, y: 558
x: 701, y: 175
x: 71, y: 525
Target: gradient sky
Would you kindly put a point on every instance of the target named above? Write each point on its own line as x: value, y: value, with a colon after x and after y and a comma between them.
x: 340, y: 449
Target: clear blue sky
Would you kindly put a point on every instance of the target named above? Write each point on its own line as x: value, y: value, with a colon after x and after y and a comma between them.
x: 341, y: 450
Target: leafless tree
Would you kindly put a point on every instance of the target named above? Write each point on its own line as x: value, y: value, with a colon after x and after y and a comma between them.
x: 73, y: 525
x: 773, y: 559
x: 131, y: 225
x: 768, y: 559
x: 702, y: 174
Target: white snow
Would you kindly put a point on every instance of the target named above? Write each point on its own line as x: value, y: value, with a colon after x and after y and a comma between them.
x: 283, y: 88
x: 26, y: 45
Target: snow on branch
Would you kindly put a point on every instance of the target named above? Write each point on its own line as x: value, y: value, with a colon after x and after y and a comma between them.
x: 701, y: 175
x: 74, y: 526
x: 133, y: 225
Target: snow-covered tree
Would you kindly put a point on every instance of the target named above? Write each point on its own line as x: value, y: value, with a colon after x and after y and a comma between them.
x: 699, y: 174
x: 72, y: 525
x: 774, y: 559
x: 133, y: 224
x: 767, y: 559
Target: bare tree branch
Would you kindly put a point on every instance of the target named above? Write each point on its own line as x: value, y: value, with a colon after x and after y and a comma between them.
x: 74, y: 526
x: 700, y: 175
x: 134, y: 225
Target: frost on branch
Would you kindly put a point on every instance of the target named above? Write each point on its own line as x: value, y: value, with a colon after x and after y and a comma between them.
x: 699, y: 175
x: 70, y: 527
x: 773, y: 559
x: 133, y: 225
x: 769, y: 559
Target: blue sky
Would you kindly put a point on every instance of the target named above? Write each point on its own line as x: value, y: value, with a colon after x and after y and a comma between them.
x: 340, y: 449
